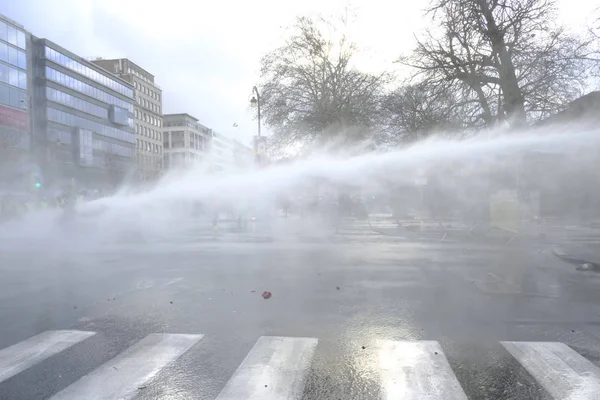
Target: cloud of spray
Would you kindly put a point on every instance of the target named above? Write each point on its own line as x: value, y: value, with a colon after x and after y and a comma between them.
x: 485, y: 164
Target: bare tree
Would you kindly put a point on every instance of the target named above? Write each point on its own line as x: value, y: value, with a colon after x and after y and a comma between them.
x: 594, y: 31
x: 311, y: 91
x: 505, y: 57
x: 412, y: 112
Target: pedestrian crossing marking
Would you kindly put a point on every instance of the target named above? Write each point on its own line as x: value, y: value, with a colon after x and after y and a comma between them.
x: 18, y: 357
x: 121, y: 377
x: 416, y: 370
x: 559, y: 369
x: 274, y: 369
x: 277, y: 367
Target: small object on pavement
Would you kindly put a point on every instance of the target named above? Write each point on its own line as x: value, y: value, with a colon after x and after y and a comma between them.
x: 266, y: 295
x: 337, y: 288
x: 363, y: 347
x: 584, y: 267
x: 171, y: 302
x: 253, y: 291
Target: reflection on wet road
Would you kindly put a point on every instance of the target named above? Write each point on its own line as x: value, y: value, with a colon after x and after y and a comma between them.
x: 404, y: 320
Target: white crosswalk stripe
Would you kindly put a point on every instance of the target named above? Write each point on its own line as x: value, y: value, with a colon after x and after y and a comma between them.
x: 275, y: 368
x: 559, y: 369
x: 416, y: 370
x: 121, y: 377
x: 17, y: 358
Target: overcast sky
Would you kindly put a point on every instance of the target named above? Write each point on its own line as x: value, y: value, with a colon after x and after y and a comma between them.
x: 205, y: 55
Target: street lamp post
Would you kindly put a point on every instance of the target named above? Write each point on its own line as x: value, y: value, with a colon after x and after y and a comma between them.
x: 255, y: 102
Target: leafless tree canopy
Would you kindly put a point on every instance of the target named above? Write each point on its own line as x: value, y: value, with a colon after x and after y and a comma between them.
x: 482, y: 63
x: 594, y: 31
x: 505, y: 58
x: 412, y: 112
x: 310, y: 90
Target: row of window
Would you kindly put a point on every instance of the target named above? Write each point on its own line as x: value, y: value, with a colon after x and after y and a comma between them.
x: 86, y: 89
x: 13, y: 97
x: 147, y: 118
x: 196, y: 142
x: 148, y: 146
x: 185, y: 122
x: 174, y: 123
x: 178, y: 139
x: 86, y: 151
x: 149, y: 159
x: 147, y: 91
x: 139, y: 75
x: 107, y: 161
x: 13, y: 76
x: 13, y: 56
x: 178, y: 157
x: 94, y: 75
x: 68, y: 119
x: 76, y: 103
x: 222, y: 138
x: 220, y: 145
x: 114, y: 148
x: 148, y: 104
x: 148, y: 132
x: 12, y: 35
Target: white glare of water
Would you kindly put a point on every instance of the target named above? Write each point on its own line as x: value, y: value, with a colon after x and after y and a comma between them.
x: 456, y: 169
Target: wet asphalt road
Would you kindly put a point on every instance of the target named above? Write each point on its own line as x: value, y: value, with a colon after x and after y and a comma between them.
x: 347, y: 295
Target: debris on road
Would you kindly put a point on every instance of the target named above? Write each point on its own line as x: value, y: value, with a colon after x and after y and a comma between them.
x: 585, y: 267
x: 337, y: 288
x: 266, y: 295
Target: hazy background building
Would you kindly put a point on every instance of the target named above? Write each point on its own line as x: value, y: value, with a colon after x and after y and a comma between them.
x: 83, y: 117
x: 15, y: 83
x: 147, y: 113
x: 220, y: 154
x: 185, y: 140
x: 227, y: 155
x: 243, y: 155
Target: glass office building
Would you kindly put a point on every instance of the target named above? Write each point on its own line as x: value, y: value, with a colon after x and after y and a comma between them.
x: 85, y: 116
x: 14, y: 100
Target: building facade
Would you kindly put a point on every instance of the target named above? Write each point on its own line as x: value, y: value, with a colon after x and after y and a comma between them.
x: 15, y: 86
x: 243, y: 155
x: 83, y: 118
x: 147, y: 114
x: 228, y: 155
x: 185, y: 141
x: 221, y: 153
